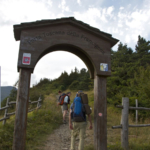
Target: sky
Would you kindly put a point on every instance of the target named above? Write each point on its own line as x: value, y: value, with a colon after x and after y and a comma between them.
x: 124, y: 19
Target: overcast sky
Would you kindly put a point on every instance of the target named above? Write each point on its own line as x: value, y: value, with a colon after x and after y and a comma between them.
x: 124, y: 19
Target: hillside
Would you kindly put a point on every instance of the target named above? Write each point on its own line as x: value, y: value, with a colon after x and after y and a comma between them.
x: 5, y: 91
x: 130, y: 78
x: 45, y: 129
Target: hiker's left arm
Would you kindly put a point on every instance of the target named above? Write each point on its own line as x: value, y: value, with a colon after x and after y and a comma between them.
x: 90, y: 120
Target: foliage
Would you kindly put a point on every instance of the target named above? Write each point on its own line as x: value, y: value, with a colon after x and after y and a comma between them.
x: 130, y: 75
x: 74, y: 81
x: 130, y: 78
x: 6, y: 136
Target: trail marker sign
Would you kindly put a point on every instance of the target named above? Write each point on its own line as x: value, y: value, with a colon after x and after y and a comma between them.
x: 26, y: 58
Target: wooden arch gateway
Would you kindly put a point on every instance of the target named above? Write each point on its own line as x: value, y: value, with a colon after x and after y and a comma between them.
x: 90, y: 44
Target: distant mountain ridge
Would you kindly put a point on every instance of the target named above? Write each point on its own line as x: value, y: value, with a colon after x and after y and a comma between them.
x: 5, y: 91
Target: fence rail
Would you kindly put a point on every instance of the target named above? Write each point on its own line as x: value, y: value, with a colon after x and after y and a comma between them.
x: 9, y: 105
x: 124, y: 121
x: 4, y: 107
x: 134, y: 108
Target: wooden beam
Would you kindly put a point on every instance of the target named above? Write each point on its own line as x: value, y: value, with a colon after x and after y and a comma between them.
x: 124, y: 123
x: 139, y: 108
x: 4, y: 108
x: 21, y: 110
x: 100, y: 113
x: 4, y: 118
x: 140, y: 125
x: 134, y: 108
x: 12, y: 102
x: 34, y: 102
x: 116, y: 127
x: 12, y: 113
x: 118, y: 106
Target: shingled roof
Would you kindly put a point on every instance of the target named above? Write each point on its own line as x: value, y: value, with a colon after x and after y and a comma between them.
x: 71, y: 20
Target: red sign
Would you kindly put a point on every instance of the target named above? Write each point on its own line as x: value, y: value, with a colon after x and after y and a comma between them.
x: 100, y: 114
x: 26, y: 58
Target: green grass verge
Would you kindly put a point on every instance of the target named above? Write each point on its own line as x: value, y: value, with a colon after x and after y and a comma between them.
x: 40, y: 123
x: 138, y: 137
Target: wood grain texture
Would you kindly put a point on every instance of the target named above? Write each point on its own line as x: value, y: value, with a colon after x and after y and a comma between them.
x: 21, y: 110
x: 100, y: 113
x: 124, y: 123
x: 40, y: 41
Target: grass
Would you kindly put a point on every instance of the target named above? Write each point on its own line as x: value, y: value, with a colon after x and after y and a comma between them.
x: 42, y: 122
x: 138, y: 137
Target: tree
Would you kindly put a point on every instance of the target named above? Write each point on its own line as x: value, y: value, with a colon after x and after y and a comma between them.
x: 74, y: 85
x: 142, y: 46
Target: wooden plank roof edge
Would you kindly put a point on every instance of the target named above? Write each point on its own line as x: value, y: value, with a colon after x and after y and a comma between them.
x: 19, y: 27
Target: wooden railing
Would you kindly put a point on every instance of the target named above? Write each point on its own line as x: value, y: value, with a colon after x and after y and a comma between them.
x: 124, y: 121
x: 9, y: 105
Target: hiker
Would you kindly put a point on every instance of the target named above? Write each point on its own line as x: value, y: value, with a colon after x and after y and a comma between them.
x: 78, y: 124
x: 64, y: 105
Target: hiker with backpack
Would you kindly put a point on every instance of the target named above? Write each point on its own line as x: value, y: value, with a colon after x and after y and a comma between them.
x: 64, y: 100
x: 78, y: 120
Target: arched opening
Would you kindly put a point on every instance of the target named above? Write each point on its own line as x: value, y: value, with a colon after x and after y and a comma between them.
x: 74, y: 50
x: 53, y: 64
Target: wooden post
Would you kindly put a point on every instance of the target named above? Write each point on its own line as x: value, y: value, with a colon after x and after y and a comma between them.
x: 124, y: 123
x: 38, y: 103
x: 21, y: 110
x: 6, y: 111
x: 136, y: 101
x: 100, y: 113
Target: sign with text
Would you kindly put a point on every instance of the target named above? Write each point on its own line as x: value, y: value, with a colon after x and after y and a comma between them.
x: 103, y: 67
x: 26, y: 58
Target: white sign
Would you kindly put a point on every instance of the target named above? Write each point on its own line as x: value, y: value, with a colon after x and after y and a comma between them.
x: 103, y: 67
x: 26, y: 58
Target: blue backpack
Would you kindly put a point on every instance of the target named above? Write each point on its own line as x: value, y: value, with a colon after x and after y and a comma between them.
x: 78, y: 114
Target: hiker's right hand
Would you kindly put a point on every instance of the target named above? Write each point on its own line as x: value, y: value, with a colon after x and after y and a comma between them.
x: 71, y: 127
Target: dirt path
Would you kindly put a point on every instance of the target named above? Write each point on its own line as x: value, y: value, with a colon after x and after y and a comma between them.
x: 60, y: 139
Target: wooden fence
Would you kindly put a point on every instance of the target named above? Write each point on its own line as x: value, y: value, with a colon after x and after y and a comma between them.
x: 9, y: 105
x: 124, y: 121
